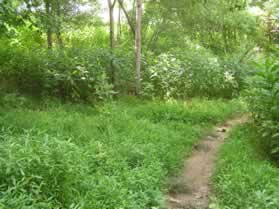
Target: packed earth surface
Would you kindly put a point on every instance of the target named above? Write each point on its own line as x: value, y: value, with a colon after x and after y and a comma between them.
x: 192, y: 189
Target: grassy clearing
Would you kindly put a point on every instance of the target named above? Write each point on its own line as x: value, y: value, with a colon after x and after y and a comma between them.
x: 117, y: 155
x: 245, y: 178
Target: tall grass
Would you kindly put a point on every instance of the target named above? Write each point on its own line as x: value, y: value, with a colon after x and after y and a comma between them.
x: 244, y: 177
x: 116, y: 155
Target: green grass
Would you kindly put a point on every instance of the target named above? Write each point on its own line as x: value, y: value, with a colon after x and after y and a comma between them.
x: 244, y: 177
x: 115, y: 155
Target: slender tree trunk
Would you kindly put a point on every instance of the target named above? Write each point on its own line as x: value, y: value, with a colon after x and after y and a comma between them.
x: 59, y: 38
x: 111, y: 21
x: 58, y: 29
x: 269, y: 28
x: 49, y: 32
x: 49, y: 39
x: 119, y: 30
x: 138, y: 46
x: 224, y: 34
x: 112, y: 36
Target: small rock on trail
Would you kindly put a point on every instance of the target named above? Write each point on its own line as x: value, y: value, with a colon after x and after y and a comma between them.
x: 192, y: 189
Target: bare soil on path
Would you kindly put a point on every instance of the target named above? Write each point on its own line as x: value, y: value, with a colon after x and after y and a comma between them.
x: 192, y: 189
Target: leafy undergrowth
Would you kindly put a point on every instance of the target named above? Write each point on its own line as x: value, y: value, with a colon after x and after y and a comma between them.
x: 116, y: 155
x: 245, y: 178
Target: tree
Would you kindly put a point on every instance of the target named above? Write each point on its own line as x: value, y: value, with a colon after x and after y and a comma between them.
x: 48, y: 25
x: 111, y: 6
x: 138, y: 46
x: 58, y: 22
x: 135, y: 25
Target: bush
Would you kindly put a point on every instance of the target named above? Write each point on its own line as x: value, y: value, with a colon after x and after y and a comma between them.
x: 79, y: 74
x: 71, y: 74
x: 263, y: 98
x: 190, y: 73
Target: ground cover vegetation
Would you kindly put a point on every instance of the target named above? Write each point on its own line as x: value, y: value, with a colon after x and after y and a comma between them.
x: 101, y: 100
x: 116, y: 155
x: 243, y: 169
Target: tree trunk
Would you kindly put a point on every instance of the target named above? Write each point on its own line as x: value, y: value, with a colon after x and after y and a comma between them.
x: 112, y: 37
x: 119, y: 30
x: 225, y: 40
x: 49, y: 38
x: 138, y: 47
x: 49, y: 32
x: 58, y: 29
x: 59, y: 38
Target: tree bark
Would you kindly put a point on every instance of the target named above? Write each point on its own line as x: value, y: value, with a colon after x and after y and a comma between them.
x: 138, y: 47
x: 112, y: 37
x: 59, y: 38
x: 58, y: 29
x: 119, y: 30
x: 49, y: 31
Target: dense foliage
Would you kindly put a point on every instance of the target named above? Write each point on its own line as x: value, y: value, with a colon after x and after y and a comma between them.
x: 117, y: 154
x: 112, y: 156
x: 63, y: 49
x: 264, y: 103
x: 74, y: 74
x: 195, y: 72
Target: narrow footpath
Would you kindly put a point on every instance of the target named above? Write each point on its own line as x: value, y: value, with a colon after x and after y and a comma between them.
x: 192, y: 189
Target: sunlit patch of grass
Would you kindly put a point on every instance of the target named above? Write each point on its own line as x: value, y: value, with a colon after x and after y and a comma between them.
x: 244, y: 177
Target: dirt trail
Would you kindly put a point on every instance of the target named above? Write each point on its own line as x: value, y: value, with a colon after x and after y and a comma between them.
x: 192, y: 189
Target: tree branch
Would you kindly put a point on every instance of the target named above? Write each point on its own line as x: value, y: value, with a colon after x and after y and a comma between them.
x: 113, y: 4
x: 132, y: 27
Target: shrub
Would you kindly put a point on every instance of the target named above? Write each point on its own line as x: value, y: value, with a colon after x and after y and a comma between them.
x: 78, y: 74
x: 72, y: 74
x: 190, y: 73
x: 263, y: 98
